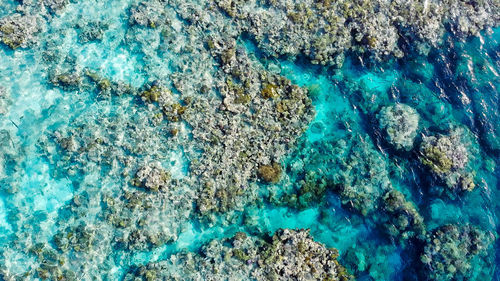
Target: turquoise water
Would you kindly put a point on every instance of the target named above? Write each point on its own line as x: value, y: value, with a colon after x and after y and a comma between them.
x: 69, y: 153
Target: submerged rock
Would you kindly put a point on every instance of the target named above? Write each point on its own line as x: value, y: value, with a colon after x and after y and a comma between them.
x: 5, y: 101
x: 400, y: 125
x: 458, y: 252
x: 362, y: 178
x: 90, y: 31
x: 400, y: 217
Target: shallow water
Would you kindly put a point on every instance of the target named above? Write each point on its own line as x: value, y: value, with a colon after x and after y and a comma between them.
x: 457, y: 86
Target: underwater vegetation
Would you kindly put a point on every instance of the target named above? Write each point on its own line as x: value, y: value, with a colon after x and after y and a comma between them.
x: 249, y: 140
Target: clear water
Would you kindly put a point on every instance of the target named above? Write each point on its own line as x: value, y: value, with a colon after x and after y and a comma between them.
x: 37, y: 192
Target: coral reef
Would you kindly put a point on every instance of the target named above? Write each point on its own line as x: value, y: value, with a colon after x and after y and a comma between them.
x: 432, y: 110
x: 152, y: 176
x: 156, y: 93
x: 456, y: 252
x: 68, y: 80
x: 54, y: 6
x: 104, y: 87
x: 447, y: 157
x: 291, y: 255
x: 324, y: 30
x: 160, y: 125
x: 11, y: 153
x: 402, y: 219
x: 18, y: 30
x: 350, y: 167
x: 371, y: 259
x: 477, y: 72
x: 400, y: 125
x: 312, y: 188
x: 54, y: 266
x: 363, y: 177
x: 369, y: 100
x: 360, y: 177
x: 242, y: 141
x: 80, y: 238
x: 270, y: 173
x: 294, y: 255
x: 117, y: 148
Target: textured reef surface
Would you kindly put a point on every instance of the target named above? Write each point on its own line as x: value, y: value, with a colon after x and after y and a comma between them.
x: 250, y: 140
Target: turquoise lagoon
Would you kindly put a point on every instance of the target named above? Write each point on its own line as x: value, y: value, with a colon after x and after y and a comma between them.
x: 36, y: 190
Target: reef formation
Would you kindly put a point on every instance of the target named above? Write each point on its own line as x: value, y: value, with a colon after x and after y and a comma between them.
x: 169, y: 141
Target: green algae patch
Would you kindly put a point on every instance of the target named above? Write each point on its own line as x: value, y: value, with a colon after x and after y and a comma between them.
x: 154, y: 93
x: 19, y: 31
x: 269, y: 91
x: 70, y: 80
x: 437, y: 160
x: 270, y: 173
x: 174, y: 112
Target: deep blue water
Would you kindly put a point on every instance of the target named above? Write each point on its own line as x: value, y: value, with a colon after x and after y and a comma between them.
x: 454, y: 86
